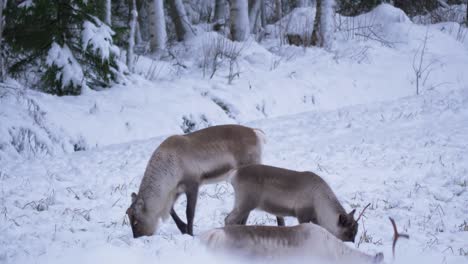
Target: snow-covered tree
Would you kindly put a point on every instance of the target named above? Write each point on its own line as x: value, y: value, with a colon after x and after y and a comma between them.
x: 157, y: 26
x: 324, y: 24
x: 183, y: 26
x: 62, y: 43
x: 240, y: 28
x: 131, y: 37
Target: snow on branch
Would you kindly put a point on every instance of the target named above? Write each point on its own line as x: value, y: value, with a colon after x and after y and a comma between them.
x: 70, y: 71
x: 99, y: 39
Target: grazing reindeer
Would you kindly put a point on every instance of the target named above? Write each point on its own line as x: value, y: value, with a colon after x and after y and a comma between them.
x: 181, y: 164
x: 282, y: 192
x: 306, y: 239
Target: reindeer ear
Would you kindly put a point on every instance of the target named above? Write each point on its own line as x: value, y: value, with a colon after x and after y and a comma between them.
x: 342, y: 220
x: 352, y: 212
x: 134, y: 197
x: 129, y: 211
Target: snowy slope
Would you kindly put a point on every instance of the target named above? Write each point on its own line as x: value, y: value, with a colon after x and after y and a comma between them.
x: 275, y: 80
x: 408, y: 157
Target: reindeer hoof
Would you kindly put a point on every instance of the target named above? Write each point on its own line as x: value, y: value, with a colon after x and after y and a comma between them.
x: 378, y: 258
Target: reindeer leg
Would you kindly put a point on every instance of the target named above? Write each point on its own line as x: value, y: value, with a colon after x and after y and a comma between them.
x: 237, y: 216
x: 280, y: 221
x: 192, y: 196
x: 306, y: 216
x: 244, y: 219
x: 180, y: 224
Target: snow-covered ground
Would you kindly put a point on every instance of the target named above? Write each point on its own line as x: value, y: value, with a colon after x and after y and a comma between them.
x: 408, y: 157
x: 350, y: 115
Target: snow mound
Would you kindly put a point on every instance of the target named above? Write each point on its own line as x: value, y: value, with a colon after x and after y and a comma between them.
x: 386, y: 14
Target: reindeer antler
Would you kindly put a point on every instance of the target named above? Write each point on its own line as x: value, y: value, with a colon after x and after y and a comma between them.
x: 396, y: 236
x: 362, y: 212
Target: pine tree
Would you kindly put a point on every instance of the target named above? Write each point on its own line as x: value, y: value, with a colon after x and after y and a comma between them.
x: 63, y: 43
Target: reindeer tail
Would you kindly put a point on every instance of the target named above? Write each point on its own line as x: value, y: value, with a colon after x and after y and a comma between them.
x: 214, y: 238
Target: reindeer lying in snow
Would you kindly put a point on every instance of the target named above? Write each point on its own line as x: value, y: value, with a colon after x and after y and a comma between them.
x: 282, y: 192
x: 304, y: 240
x: 184, y: 162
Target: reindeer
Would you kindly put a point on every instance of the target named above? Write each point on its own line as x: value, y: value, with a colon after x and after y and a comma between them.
x: 304, y: 240
x: 283, y: 192
x: 307, y: 239
x: 181, y: 164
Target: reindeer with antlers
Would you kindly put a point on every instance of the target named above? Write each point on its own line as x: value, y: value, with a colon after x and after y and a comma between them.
x: 303, y: 240
x: 283, y: 192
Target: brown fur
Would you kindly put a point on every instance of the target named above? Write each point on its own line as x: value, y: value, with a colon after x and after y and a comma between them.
x: 181, y: 164
x: 283, y: 192
x: 304, y: 240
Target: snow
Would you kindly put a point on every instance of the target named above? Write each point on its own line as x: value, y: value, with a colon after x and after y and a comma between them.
x: 408, y: 157
x: 349, y: 114
x: 70, y: 72
x: 98, y: 37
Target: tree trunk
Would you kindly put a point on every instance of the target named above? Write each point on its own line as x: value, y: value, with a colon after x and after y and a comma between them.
x: 254, y: 14
x: 278, y: 9
x: 108, y: 17
x: 220, y: 11
x: 157, y: 26
x: 322, y: 35
x: 179, y: 16
x: 239, y: 20
x: 2, y: 69
x: 263, y: 14
x: 144, y: 19
x: 316, y: 39
x: 131, y: 37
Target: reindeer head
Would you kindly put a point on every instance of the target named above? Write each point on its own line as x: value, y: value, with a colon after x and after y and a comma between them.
x: 347, y: 226
x: 141, y: 223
